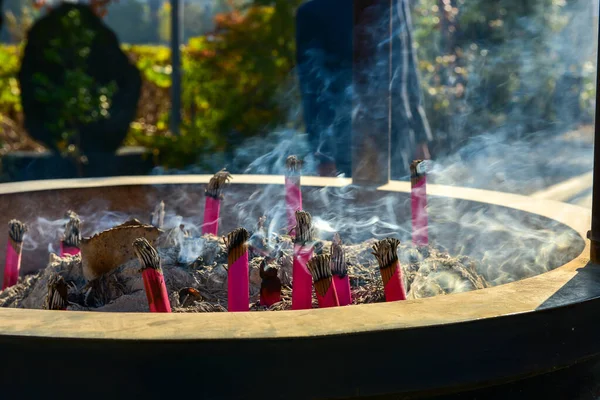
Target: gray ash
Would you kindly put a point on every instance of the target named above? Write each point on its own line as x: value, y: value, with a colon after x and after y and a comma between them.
x: 202, y: 286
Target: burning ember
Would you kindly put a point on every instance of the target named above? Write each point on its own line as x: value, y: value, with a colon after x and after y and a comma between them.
x: 142, y: 267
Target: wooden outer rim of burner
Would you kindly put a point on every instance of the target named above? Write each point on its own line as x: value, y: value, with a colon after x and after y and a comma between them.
x: 510, y: 299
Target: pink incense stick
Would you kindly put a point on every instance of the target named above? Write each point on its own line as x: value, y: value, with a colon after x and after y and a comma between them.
x: 72, y: 238
x: 303, y: 251
x: 58, y: 292
x: 238, y: 282
x: 293, y: 191
x: 154, y: 280
x: 386, y: 252
x: 418, y: 201
x: 320, y: 268
x: 212, y: 206
x: 14, y: 248
x: 341, y: 280
x: 270, y: 287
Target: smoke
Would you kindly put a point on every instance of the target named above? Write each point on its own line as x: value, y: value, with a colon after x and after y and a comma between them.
x: 505, y: 154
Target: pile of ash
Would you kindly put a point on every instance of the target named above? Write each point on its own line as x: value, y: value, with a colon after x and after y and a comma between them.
x: 201, y: 285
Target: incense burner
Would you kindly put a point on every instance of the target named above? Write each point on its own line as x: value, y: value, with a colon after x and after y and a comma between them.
x: 399, y: 348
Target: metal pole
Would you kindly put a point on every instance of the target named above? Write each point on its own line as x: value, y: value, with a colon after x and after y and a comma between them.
x: 176, y: 39
x: 594, y: 234
x: 371, y: 122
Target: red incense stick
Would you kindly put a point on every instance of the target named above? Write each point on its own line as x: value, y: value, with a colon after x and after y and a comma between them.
x: 58, y: 292
x: 270, y: 287
x: 418, y: 201
x: 320, y: 268
x: 238, y: 282
x: 14, y: 248
x: 341, y: 280
x: 154, y: 280
x: 212, y: 205
x: 303, y: 251
x: 72, y: 238
x: 293, y: 192
x: 386, y: 252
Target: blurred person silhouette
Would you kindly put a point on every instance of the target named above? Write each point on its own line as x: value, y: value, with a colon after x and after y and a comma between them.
x: 324, y: 41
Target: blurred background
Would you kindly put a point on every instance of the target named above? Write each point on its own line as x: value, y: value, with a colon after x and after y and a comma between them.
x: 508, y: 87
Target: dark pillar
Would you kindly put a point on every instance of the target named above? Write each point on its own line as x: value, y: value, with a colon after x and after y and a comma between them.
x: 594, y: 234
x: 176, y: 39
x: 371, y: 122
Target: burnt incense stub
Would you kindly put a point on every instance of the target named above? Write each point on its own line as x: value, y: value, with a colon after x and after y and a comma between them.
x: 418, y: 169
x: 147, y: 254
x: 338, y: 257
x: 16, y: 230
x: 304, y: 229
x: 386, y: 253
x: 236, y: 243
x: 293, y: 165
x: 216, y: 184
x: 157, y: 218
x: 72, y: 236
x: 319, y: 267
x: 58, y: 291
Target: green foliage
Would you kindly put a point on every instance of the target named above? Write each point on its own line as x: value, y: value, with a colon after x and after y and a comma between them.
x: 490, y: 65
x: 10, y: 100
x: 484, y: 64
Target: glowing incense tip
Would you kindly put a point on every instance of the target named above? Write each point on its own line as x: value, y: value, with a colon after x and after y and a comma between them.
x: 304, y: 229
x: 72, y: 236
x: 386, y: 252
x: 157, y: 218
x: 338, y: 257
x: 319, y: 267
x: 58, y: 291
x: 147, y: 254
x: 217, y: 183
x: 293, y: 164
x: 16, y: 230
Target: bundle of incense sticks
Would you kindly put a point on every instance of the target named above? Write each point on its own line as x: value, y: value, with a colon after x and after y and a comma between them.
x: 212, y: 206
x: 58, y: 293
x: 418, y: 201
x: 341, y: 280
x: 320, y: 268
x: 72, y: 238
x: 270, y: 287
x: 154, y: 280
x: 238, y: 282
x: 293, y: 192
x: 386, y: 252
x: 157, y: 218
x: 303, y: 251
x: 14, y: 248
